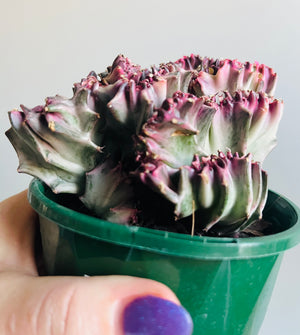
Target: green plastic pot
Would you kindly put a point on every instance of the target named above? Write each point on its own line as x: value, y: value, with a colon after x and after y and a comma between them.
x: 225, y: 283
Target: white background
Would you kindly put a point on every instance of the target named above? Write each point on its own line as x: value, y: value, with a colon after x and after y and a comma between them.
x: 47, y: 46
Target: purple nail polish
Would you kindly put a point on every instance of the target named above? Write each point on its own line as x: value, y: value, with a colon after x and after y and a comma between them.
x: 151, y: 315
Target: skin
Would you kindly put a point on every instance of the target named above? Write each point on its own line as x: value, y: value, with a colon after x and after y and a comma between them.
x: 34, y: 305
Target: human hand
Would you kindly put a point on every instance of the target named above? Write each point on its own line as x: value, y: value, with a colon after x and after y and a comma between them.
x: 108, y: 305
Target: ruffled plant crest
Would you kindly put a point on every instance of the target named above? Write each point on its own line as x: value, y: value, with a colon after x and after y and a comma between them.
x: 226, y: 192
x: 54, y: 141
x: 189, y: 135
x: 245, y: 122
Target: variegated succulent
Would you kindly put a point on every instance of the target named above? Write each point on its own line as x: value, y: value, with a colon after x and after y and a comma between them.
x: 188, y: 135
x: 226, y: 191
x: 53, y: 141
x: 245, y: 122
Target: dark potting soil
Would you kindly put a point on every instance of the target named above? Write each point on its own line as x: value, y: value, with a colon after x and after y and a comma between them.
x: 162, y: 221
x: 257, y: 228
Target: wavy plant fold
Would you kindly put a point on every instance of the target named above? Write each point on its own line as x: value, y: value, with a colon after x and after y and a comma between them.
x: 186, y: 138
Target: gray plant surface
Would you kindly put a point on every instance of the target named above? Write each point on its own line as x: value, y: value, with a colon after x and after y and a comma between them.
x: 187, y: 138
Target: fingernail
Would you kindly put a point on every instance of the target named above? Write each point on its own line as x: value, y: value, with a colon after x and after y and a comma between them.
x: 151, y: 315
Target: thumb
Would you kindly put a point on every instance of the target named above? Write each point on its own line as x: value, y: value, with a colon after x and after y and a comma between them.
x: 109, y: 305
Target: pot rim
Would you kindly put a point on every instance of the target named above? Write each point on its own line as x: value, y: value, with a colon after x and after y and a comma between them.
x: 169, y: 243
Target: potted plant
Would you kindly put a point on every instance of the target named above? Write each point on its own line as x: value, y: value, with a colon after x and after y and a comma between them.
x: 157, y: 173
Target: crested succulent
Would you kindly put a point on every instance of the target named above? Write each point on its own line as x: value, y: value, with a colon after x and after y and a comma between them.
x: 186, y: 125
x: 226, y: 192
x: 188, y: 135
x: 213, y: 75
x: 53, y: 141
